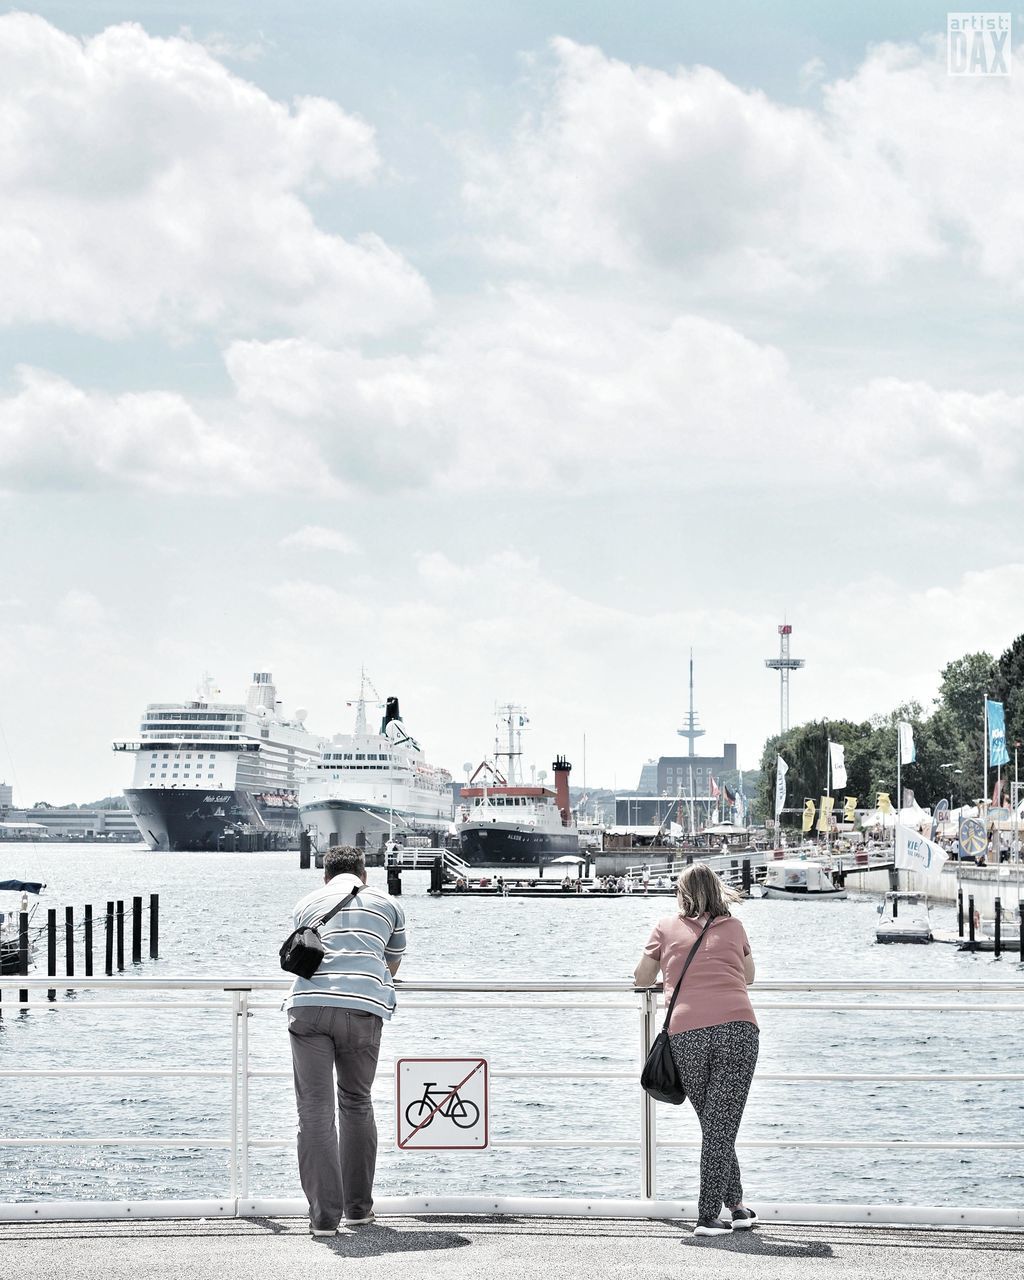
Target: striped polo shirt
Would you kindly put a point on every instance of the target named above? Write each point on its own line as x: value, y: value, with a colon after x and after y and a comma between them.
x: 358, y: 941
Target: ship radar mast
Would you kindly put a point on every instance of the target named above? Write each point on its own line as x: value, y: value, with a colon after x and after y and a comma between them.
x: 360, y: 703
x: 512, y: 720
x: 692, y: 731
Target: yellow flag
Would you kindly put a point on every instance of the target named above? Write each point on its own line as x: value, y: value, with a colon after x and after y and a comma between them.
x: 825, y: 817
x: 808, y: 821
x: 883, y: 802
x: 849, y: 808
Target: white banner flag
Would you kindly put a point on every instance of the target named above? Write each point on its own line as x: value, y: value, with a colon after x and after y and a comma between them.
x: 781, y: 769
x: 837, y: 755
x: 915, y: 853
x: 908, y: 754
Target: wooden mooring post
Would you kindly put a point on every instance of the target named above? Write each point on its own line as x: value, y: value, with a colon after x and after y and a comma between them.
x: 69, y: 941
x: 119, y: 922
x: 154, y: 926
x: 51, y: 950
x: 136, y: 930
x: 108, y: 941
x: 87, y: 939
x: 997, y: 947
x: 23, y: 952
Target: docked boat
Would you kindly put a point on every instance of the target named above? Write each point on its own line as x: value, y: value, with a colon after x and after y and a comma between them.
x: 370, y: 787
x: 14, y: 900
x: 505, y: 822
x: 904, y: 918
x: 210, y: 775
x: 800, y: 879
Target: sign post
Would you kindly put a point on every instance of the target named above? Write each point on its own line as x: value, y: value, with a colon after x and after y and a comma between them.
x: 441, y: 1104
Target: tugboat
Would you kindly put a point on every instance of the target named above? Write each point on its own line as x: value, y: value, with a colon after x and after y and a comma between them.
x: 508, y: 823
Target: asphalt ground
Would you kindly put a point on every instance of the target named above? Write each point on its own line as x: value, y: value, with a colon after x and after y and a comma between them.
x: 456, y: 1247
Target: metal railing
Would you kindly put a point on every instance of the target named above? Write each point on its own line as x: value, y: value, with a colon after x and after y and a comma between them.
x: 241, y: 998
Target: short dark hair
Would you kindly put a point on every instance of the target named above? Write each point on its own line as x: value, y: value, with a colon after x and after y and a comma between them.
x: 342, y: 859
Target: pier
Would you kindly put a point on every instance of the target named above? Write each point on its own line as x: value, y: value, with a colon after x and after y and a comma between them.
x: 462, y: 1247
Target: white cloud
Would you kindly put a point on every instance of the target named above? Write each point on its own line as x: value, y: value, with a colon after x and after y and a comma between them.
x: 144, y: 186
x: 630, y: 167
x: 316, y: 538
x: 530, y: 392
x: 54, y: 435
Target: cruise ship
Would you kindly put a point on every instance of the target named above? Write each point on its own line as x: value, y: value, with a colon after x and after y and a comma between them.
x: 503, y: 822
x: 210, y: 775
x: 368, y: 788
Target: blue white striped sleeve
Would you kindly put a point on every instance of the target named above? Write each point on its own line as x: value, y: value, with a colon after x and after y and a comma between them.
x: 396, y: 943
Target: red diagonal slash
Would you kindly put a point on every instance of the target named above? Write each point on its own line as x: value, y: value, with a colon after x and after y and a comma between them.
x: 439, y: 1105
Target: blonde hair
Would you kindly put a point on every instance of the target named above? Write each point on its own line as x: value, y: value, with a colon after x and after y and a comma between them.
x: 700, y: 891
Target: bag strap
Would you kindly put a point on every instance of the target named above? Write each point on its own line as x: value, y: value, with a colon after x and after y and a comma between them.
x: 693, y: 952
x: 334, y: 910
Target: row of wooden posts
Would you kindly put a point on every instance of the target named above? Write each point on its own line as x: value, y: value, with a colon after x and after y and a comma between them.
x: 113, y: 924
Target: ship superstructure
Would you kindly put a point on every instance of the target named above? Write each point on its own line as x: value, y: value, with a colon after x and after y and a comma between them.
x: 369, y: 787
x: 207, y: 772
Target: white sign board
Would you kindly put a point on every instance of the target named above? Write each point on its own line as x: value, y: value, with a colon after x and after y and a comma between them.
x: 441, y: 1104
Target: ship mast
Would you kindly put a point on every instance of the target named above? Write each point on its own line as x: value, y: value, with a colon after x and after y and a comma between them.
x: 513, y: 719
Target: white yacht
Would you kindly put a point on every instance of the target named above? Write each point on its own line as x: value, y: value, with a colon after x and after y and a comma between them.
x: 367, y: 788
x: 207, y: 772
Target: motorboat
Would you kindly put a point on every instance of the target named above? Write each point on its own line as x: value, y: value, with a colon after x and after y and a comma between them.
x: 904, y: 918
x: 800, y: 878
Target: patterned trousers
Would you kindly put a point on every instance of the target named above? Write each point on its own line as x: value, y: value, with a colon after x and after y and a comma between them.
x: 716, y: 1066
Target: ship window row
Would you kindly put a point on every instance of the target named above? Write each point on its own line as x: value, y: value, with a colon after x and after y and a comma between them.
x: 185, y: 717
x: 347, y: 755
x: 504, y: 800
x: 199, y: 755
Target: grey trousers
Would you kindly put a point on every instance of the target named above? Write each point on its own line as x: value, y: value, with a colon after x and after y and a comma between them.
x: 336, y: 1167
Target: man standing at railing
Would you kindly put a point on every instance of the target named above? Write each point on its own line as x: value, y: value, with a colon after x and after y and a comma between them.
x: 335, y: 1020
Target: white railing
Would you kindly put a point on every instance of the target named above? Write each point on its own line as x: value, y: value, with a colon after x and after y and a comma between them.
x: 241, y: 997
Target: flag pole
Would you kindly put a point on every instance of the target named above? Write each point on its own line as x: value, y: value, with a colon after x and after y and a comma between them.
x: 984, y: 782
x: 828, y: 783
x: 899, y: 788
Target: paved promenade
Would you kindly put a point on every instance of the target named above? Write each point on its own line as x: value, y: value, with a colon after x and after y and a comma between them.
x: 527, y: 1248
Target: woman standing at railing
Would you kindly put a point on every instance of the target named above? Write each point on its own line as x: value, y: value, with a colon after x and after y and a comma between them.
x: 713, y: 1032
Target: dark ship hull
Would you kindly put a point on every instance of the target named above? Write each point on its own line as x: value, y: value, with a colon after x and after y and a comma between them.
x: 493, y: 845
x: 179, y: 820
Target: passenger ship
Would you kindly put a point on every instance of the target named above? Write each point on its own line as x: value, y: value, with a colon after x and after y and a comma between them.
x: 504, y: 822
x: 213, y: 773
x: 370, y: 787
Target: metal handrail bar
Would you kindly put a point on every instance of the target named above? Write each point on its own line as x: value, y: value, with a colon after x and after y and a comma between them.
x: 441, y: 986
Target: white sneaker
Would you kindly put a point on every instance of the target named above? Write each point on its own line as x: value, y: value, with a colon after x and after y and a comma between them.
x: 361, y: 1222
x: 717, y: 1227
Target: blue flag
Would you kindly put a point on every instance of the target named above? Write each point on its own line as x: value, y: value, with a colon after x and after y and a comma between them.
x: 997, y: 753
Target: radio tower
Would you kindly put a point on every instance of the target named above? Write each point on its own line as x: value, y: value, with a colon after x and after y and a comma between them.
x: 691, y: 732
x: 784, y: 664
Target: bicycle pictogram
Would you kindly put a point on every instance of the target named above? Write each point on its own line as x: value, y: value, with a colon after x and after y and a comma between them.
x: 445, y: 1101
x: 451, y: 1091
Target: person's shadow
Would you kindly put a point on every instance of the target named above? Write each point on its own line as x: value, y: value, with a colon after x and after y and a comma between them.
x: 375, y: 1239
x: 761, y: 1246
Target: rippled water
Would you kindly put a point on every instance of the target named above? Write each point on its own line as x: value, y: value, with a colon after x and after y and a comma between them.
x: 225, y: 915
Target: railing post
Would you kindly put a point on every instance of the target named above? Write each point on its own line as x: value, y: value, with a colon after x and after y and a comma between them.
x: 243, y: 1035
x: 648, y: 1122
x: 233, y: 1119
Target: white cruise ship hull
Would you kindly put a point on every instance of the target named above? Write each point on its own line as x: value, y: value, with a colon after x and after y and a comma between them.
x: 366, y: 824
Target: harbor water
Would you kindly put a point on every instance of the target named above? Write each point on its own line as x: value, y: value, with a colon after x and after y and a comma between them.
x: 225, y: 915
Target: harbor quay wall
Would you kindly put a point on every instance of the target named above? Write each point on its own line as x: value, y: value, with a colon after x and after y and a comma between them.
x: 985, y: 883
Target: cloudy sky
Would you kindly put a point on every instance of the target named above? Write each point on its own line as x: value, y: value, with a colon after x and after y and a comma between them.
x: 510, y: 350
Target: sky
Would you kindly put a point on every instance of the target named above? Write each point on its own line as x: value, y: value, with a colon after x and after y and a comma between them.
x: 509, y: 351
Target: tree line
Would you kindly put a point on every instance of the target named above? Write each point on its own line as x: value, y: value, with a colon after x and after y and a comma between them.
x: 948, y: 739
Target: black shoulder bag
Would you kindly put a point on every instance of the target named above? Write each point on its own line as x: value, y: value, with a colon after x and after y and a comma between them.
x: 303, y: 950
x: 659, y: 1075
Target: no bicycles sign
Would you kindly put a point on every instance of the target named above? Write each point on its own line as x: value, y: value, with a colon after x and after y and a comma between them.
x: 441, y: 1104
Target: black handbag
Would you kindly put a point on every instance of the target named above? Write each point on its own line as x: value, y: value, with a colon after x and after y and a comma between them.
x: 659, y: 1076
x: 303, y: 950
